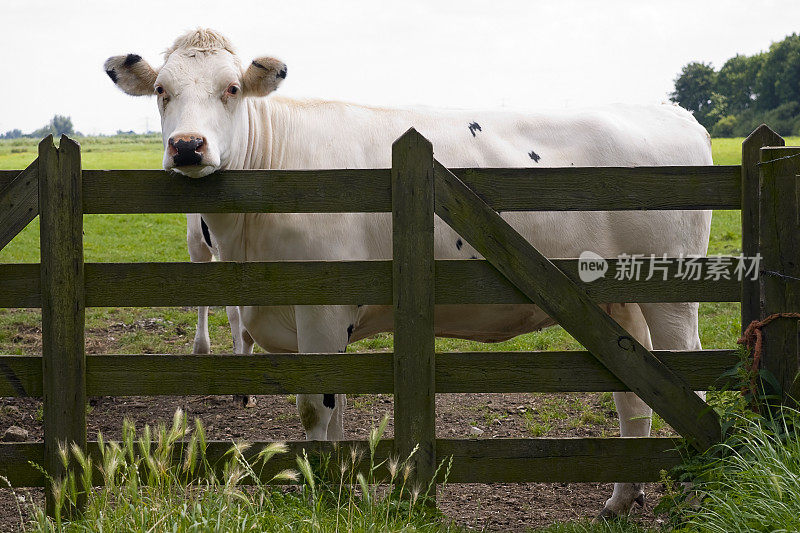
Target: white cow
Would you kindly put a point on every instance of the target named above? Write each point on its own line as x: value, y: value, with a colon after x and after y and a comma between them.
x: 215, y: 116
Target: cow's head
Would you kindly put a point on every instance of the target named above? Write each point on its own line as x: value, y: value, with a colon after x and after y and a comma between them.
x: 200, y: 90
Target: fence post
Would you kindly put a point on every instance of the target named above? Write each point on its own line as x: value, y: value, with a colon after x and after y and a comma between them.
x: 779, y: 245
x: 413, y: 299
x: 751, y: 148
x: 63, y: 357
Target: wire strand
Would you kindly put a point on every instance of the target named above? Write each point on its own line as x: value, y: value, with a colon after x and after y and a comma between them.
x: 779, y: 275
x: 777, y: 159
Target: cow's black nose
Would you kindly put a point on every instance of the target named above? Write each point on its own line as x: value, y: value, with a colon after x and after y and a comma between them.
x: 187, y: 149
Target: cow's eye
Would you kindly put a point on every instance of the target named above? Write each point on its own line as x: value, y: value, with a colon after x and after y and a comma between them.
x: 159, y: 89
x: 232, y: 89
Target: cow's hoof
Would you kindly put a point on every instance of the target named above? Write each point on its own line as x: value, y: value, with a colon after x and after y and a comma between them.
x: 606, y: 514
x: 201, y: 347
x: 245, y: 401
x: 615, y: 509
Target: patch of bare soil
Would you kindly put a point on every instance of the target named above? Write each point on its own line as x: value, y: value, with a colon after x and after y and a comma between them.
x: 500, y: 507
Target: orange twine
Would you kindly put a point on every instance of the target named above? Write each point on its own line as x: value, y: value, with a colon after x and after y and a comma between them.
x: 752, y: 338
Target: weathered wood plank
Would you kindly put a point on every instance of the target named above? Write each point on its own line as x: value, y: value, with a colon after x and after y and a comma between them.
x: 605, y: 188
x: 474, y: 460
x: 354, y: 373
x: 356, y: 282
x: 540, y: 280
x: 110, y: 375
x: 276, y: 283
x: 238, y: 191
x: 63, y: 359
x: 568, y: 371
x: 751, y: 148
x: 20, y: 285
x: 369, y: 190
x: 15, y: 463
x: 779, y: 245
x: 7, y: 176
x: 21, y: 375
x: 558, y: 460
x: 476, y: 281
x: 19, y: 203
x: 413, y: 304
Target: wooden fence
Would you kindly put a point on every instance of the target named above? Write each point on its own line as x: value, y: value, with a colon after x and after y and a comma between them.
x: 765, y: 188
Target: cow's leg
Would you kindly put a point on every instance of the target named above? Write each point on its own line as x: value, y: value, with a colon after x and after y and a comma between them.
x: 242, y: 341
x: 674, y: 326
x: 199, y: 253
x: 634, y: 414
x: 202, y: 341
x: 242, y: 345
x: 322, y: 329
x: 336, y: 424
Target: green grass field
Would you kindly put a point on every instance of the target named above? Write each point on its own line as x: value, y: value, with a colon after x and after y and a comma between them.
x: 125, y: 238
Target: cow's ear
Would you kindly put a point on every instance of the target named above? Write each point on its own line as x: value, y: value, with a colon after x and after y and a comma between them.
x: 263, y: 76
x: 132, y: 74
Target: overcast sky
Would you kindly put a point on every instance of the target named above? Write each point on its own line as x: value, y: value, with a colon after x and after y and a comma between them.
x: 459, y: 54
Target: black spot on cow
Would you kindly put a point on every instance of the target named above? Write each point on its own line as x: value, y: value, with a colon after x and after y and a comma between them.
x: 349, y: 332
x: 459, y: 244
x: 329, y: 400
x: 132, y: 59
x: 206, y: 234
x: 473, y: 127
x: 112, y: 74
x: 533, y: 155
x: 282, y: 73
x: 360, y: 305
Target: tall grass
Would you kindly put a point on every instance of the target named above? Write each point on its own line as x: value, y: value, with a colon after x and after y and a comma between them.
x: 751, y: 482
x: 170, y: 485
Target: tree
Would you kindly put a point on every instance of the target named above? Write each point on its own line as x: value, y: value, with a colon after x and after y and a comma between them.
x: 12, y: 134
x: 62, y: 125
x: 58, y: 125
x: 747, y: 91
x: 694, y: 88
x: 778, y: 79
x: 736, y: 80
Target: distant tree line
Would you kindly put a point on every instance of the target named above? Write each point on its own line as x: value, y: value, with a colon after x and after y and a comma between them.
x: 58, y: 125
x: 745, y: 92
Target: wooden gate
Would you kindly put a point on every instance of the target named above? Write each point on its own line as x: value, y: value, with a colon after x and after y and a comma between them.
x: 415, y: 188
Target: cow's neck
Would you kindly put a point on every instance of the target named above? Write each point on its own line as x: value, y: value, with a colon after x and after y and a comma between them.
x: 253, y: 147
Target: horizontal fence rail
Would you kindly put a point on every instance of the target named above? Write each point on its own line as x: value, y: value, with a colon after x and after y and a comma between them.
x: 19, y: 203
x: 346, y: 283
x: 355, y: 373
x: 474, y: 460
x: 369, y: 190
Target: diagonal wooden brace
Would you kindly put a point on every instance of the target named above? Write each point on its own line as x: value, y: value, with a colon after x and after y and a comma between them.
x: 19, y: 203
x: 549, y: 288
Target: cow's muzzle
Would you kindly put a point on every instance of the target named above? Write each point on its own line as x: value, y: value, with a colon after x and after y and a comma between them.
x: 187, y: 150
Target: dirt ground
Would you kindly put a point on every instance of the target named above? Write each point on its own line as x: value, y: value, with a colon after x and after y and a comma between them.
x: 500, y: 507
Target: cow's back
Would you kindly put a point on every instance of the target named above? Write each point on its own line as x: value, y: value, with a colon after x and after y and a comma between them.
x: 315, y: 134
